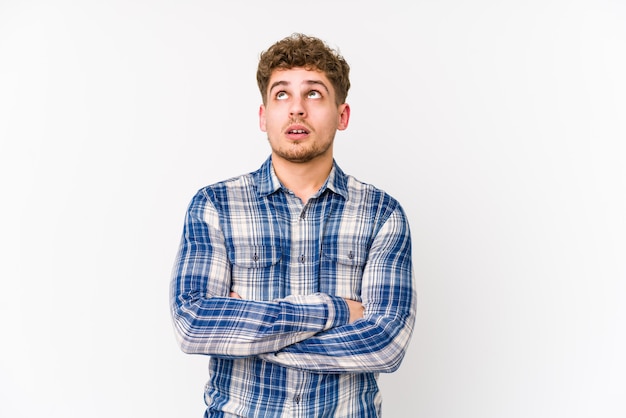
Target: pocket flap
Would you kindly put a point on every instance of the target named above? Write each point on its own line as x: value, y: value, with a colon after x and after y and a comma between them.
x: 347, y: 254
x: 255, y: 256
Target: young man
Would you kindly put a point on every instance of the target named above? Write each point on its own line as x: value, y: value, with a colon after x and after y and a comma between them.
x: 295, y: 279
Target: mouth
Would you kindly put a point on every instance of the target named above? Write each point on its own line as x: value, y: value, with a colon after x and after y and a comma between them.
x: 297, y: 132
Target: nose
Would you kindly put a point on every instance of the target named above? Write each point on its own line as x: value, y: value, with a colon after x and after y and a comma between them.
x: 297, y: 108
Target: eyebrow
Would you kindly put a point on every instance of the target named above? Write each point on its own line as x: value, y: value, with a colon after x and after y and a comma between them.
x: 308, y: 82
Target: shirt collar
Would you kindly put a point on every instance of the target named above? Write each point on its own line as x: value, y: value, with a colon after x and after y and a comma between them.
x: 267, y: 182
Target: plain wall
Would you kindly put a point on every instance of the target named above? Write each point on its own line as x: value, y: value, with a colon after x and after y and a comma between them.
x: 499, y: 125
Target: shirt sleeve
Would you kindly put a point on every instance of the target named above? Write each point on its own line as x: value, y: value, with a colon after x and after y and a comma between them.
x: 207, y: 321
x: 377, y: 343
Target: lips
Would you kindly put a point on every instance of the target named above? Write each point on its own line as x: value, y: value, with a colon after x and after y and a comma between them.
x: 297, y: 132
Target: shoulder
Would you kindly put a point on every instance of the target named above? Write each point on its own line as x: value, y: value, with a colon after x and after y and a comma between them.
x: 236, y: 182
x: 363, y: 193
x: 245, y: 186
x: 219, y: 199
x: 225, y: 190
x: 377, y: 206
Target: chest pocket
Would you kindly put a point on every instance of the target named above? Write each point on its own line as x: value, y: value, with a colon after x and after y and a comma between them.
x: 255, y: 271
x: 342, y: 270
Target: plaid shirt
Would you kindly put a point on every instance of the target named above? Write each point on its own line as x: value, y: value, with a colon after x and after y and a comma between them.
x: 286, y: 349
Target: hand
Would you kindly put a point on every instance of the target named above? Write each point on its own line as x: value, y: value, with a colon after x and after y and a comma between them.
x: 234, y: 295
x: 356, y: 310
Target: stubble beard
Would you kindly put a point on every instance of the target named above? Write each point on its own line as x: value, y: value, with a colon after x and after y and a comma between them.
x: 298, y: 152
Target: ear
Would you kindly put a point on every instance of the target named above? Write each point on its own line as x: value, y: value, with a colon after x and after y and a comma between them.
x: 344, y: 116
x: 262, y: 123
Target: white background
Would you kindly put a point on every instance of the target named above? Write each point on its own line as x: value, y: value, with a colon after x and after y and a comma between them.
x: 499, y: 125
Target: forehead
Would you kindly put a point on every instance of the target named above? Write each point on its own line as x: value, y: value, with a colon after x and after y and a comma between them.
x: 298, y: 76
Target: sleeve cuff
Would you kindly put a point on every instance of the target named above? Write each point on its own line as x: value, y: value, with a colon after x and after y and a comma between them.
x: 338, y: 312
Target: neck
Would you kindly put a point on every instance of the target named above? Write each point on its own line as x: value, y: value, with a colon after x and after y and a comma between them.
x: 303, y: 179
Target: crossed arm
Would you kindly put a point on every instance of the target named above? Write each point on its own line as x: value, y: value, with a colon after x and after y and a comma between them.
x: 317, y: 332
x: 356, y: 308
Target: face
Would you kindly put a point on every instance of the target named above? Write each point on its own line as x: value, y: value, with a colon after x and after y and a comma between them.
x: 300, y: 115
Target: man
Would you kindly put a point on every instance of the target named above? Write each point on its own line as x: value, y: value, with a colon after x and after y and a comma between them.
x: 295, y: 279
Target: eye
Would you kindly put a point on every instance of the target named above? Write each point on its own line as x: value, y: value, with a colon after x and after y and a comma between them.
x: 314, y: 94
x: 281, y: 95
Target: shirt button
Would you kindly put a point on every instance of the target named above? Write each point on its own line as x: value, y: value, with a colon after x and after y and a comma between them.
x: 301, y: 258
x: 296, y: 399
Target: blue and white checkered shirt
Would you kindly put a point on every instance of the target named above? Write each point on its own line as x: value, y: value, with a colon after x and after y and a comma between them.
x: 286, y: 348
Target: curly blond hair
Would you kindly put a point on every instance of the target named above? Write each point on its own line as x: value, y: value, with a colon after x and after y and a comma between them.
x: 299, y: 50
